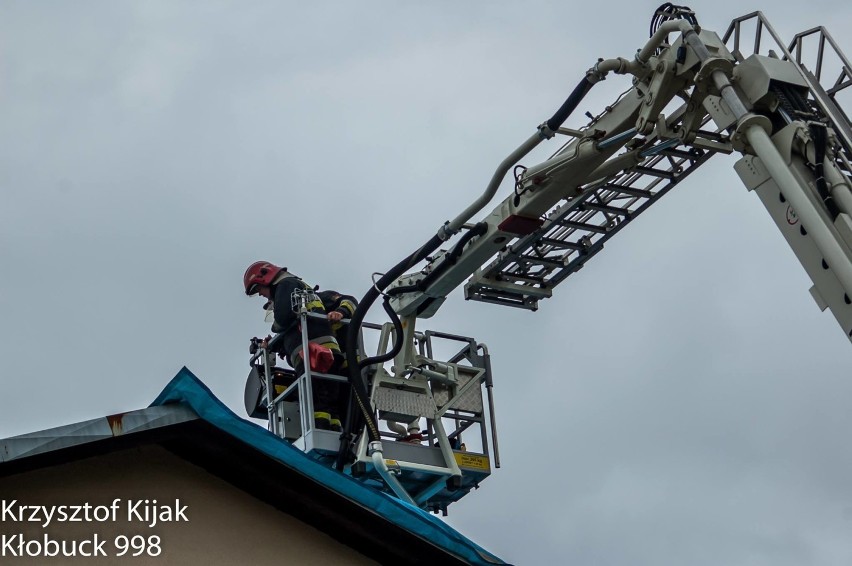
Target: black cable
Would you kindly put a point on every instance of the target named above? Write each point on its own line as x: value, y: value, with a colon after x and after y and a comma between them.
x: 450, y: 260
x: 356, y: 379
x: 518, y: 173
x: 397, y: 344
x: 669, y: 11
x: 454, y: 254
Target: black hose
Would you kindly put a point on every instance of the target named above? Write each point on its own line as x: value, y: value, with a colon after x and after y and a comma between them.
x: 356, y: 380
x: 397, y: 344
x: 570, y: 104
x: 454, y: 254
x: 450, y: 260
x: 373, y: 294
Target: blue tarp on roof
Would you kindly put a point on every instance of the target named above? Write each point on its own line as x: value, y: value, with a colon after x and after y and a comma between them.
x: 187, y: 389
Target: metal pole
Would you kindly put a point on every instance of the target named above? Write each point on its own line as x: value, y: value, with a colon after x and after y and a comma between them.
x: 270, y: 394
x: 492, y: 417
x: 455, y: 225
x: 446, y: 449
x: 308, y: 407
x: 382, y: 467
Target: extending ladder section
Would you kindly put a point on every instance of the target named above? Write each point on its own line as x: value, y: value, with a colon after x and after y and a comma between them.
x: 572, y: 232
x: 575, y: 230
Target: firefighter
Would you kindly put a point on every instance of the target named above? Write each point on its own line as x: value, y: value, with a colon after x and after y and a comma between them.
x: 338, y: 307
x: 278, y: 285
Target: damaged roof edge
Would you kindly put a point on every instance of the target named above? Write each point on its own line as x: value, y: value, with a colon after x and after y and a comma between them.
x: 31, y: 444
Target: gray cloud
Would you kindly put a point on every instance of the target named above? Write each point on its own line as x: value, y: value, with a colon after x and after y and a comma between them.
x: 679, y: 401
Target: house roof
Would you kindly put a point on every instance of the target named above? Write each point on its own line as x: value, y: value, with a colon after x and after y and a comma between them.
x: 190, y: 421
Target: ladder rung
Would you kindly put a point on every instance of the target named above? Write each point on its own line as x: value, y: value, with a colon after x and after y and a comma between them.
x: 563, y: 244
x: 506, y: 301
x: 504, y: 288
x: 524, y: 278
x: 679, y: 153
x: 840, y: 86
x: 583, y: 226
x: 629, y: 191
x: 535, y: 260
x: 605, y: 208
x: 655, y: 172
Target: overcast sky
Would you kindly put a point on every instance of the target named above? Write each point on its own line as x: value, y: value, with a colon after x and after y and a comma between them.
x: 681, y: 400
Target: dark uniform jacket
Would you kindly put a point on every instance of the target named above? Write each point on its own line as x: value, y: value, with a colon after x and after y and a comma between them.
x: 287, y: 321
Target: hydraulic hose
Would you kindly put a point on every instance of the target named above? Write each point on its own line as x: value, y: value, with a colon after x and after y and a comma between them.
x: 449, y: 261
x: 454, y: 254
x: 571, y: 103
x: 397, y: 344
x: 456, y: 224
x: 371, y: 296
x: 355, y: 378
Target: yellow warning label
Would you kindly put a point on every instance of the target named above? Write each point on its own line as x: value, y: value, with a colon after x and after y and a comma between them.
x: 474, y: 461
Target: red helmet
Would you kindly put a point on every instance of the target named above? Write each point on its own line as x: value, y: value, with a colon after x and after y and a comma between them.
x: 260, y: 273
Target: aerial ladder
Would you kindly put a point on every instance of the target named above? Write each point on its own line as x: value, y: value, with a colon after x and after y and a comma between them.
x: 693, y: 95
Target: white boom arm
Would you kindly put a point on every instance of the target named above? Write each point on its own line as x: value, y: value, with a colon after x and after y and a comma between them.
x: 794, y: 139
